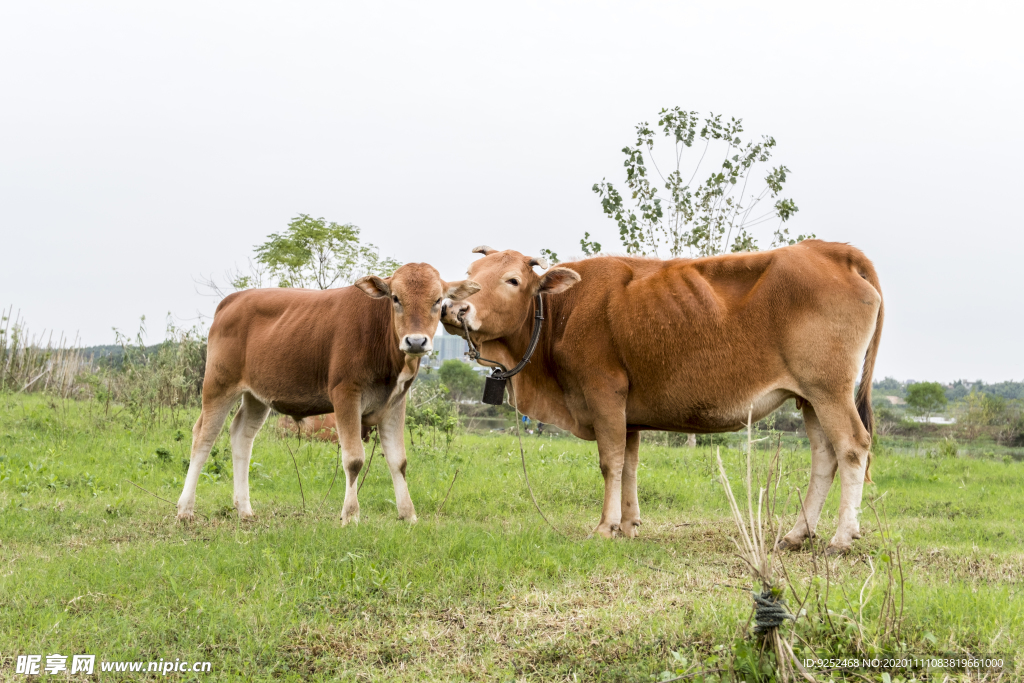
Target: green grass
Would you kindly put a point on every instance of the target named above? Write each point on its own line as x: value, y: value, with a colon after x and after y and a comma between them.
x: 90, y: 564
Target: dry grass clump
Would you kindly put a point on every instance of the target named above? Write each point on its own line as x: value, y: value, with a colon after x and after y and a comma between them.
x: 756, y: 547
x: 34, y: 363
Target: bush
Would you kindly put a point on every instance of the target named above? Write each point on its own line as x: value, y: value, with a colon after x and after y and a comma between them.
x: 462, y: 381
x: 149, y: 381
x: 429, y: 414
x: 1002, y: 418
x: 926, y: 398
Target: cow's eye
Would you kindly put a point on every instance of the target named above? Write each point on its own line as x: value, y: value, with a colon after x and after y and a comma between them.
x: 394, y: 298
x: 514, y: 282
x: 437, y: 303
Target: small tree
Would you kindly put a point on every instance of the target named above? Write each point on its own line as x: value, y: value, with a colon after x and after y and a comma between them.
x: 704, y: 219
x: 310, y: 253
x: 926, y: 398
x: 710, y: 218
x: 462, y: 381
x: 314, y: 253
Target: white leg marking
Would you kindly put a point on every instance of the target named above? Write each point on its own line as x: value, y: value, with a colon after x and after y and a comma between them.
x: 392, y: 438
x: 248, y: 420
x: 204, y: 434
x: 823, y: 470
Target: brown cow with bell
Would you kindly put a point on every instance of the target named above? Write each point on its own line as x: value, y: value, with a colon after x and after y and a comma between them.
x: 689, y: 345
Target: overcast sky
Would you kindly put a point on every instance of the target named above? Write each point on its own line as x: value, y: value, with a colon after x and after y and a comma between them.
x: 143, y: 145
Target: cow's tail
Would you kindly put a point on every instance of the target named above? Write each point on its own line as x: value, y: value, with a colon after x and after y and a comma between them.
x: 863, y: 401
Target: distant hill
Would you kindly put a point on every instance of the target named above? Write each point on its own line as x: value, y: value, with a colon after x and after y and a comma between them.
x: 98, y: 352
x: 111, y: 354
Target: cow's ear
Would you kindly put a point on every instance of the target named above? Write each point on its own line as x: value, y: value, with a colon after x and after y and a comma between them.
x: 374, y: 286
x: 557, y: 280
x: 457, y: 291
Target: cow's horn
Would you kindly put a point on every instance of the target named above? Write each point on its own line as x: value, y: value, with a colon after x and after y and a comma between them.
x: 539, y: 261
x: 484, y: 249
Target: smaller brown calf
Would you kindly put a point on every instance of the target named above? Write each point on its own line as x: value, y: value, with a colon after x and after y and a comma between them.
x: 319, y: 427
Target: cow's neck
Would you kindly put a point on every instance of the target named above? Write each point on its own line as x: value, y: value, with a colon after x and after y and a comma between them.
x: 403, y: 368
x: 511, y: 348
x: 531, y: 382
x: 405, y: 377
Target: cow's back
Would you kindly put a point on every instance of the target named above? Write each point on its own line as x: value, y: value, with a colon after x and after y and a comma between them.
x: 697, y: 338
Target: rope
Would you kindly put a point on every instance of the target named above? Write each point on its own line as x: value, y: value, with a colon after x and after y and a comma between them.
x: 526, y: 476
x: 164, y: 499
x: 368, y: 462
x: 450, y: 486
x: 769, y: 611
x: 337, y: 463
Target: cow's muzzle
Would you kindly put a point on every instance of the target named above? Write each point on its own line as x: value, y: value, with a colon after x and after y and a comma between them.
x: 416, y: 344
x: 453, y: 313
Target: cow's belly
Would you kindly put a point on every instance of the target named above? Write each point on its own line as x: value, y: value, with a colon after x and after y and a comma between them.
x: 705, y: 417
x: 301, y: 408
x: 292, y: 403
x: 373, y: 401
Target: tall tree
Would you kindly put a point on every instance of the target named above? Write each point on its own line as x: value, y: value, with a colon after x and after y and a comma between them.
x: 714, y: 216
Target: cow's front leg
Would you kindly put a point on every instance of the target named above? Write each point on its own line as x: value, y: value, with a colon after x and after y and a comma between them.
x: 348, y: 422
x: 611, y: 447
x: 630, y: 524
x: 392, y: 439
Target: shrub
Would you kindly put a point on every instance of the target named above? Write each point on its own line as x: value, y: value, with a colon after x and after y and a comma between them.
x: 462, y: 381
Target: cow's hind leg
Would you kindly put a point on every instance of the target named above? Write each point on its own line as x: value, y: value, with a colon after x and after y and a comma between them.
x: 211, y: 420
x: 630, y: 524
x: 852, y: 445
x: 392, y: 440
x: 248, y: 420
x: 823, y: 470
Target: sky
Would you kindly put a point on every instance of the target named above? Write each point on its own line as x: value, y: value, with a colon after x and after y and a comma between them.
x: 144, y: 146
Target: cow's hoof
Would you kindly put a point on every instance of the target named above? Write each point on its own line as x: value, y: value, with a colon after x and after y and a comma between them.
x: 787, y: 544
x: 630, y: 529
x: 607, y: 530
x: 350, y: 518
x: 837, y: 549
x: 186, y: 515
x: 407, y: 513
x: 244, y: 515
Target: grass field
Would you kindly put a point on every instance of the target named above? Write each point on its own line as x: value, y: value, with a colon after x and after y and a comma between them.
x: 483, y: 590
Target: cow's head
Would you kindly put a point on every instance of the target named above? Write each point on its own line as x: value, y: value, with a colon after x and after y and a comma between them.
x: 416, y: 292
x: 507, y: 284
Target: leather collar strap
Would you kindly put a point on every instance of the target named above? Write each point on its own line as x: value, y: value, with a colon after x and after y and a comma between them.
x: 505, y: 373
